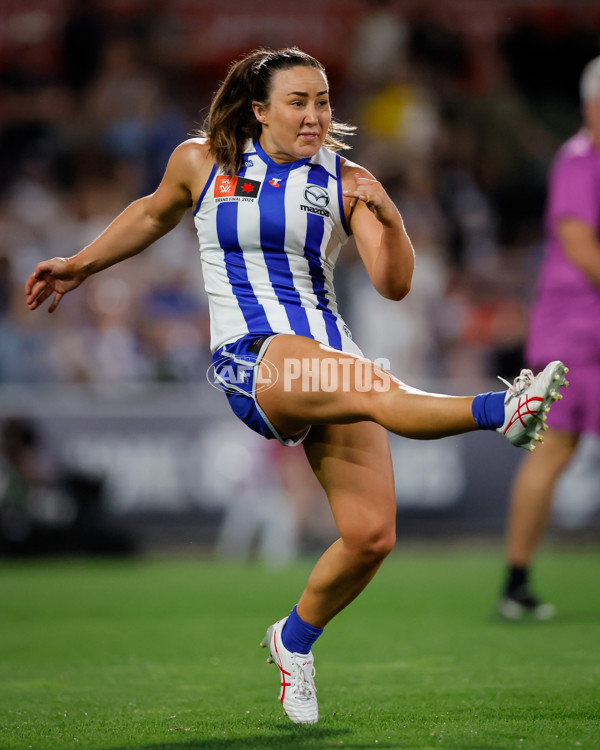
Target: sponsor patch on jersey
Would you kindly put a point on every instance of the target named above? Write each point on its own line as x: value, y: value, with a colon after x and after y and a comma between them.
x: 318, y: 197
x: 235, y: 188
x: 314, y: 210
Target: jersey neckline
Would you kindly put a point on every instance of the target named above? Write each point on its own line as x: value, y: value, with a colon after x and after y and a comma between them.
x: 275, y: 166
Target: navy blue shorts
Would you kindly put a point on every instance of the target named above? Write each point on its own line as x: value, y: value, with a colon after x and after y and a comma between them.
x: 235, y: 368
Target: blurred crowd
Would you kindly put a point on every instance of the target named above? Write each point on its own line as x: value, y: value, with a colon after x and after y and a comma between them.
x: 460, y: 125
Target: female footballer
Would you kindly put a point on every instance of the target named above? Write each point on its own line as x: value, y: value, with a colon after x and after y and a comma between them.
x: 273, y: 203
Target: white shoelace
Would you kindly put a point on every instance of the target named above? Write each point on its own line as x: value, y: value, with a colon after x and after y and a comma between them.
x: 303, y: 685
x: 521, y: 382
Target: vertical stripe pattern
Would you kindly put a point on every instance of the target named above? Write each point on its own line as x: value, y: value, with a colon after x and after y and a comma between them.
x: 237, y: 273
x: 269, y: 239
x: 312, y: 250
x: 271, y: 204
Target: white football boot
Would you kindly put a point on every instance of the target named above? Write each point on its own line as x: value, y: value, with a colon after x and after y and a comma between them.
x: 527, y: 402
x: 522, y: 604
x: 298, y: 694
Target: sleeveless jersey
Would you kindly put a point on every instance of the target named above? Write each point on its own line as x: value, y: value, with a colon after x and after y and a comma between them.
x: 269, y: 239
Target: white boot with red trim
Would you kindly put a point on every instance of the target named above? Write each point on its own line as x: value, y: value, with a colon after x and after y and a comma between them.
x: 527, y: 402
x: 298, y: 694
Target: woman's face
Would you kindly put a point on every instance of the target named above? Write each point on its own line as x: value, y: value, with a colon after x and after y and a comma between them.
x: 296, y: 119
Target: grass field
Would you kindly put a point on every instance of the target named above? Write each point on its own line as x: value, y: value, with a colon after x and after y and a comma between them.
x: 164, y: 655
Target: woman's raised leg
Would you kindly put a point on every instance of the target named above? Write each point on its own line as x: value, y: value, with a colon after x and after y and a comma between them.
x: 319, y: 385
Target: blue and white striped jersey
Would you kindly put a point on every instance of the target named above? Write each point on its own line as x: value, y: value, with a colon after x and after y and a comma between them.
x: 269, y: 240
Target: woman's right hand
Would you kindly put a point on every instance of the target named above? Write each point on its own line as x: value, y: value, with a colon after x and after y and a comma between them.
x: 55, y: 276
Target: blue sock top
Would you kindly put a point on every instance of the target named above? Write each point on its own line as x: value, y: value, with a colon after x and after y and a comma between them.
x: 298, y: 636
x: 488, y: 410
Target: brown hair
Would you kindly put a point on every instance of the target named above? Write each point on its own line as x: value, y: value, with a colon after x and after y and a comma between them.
x: 231, y: 120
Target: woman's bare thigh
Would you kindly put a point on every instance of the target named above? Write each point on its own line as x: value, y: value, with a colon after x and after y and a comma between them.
x: 317, y: 385
x: 353, y: 464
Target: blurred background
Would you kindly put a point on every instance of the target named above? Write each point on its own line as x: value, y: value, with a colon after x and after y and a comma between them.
x: 112, y: 440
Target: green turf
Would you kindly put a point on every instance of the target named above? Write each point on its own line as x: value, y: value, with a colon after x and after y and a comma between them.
x: 164, y: 654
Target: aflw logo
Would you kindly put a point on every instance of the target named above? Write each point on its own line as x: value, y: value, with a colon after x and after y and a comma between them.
x: 234, y: 188
x: 225, y: 187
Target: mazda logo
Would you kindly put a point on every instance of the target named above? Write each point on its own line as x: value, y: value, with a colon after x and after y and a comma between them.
x: 316, y: 196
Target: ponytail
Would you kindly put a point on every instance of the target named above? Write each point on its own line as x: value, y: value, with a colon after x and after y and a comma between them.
x: 231, y: 120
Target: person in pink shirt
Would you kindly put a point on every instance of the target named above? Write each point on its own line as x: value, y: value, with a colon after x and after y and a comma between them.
x: 565, y: 324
